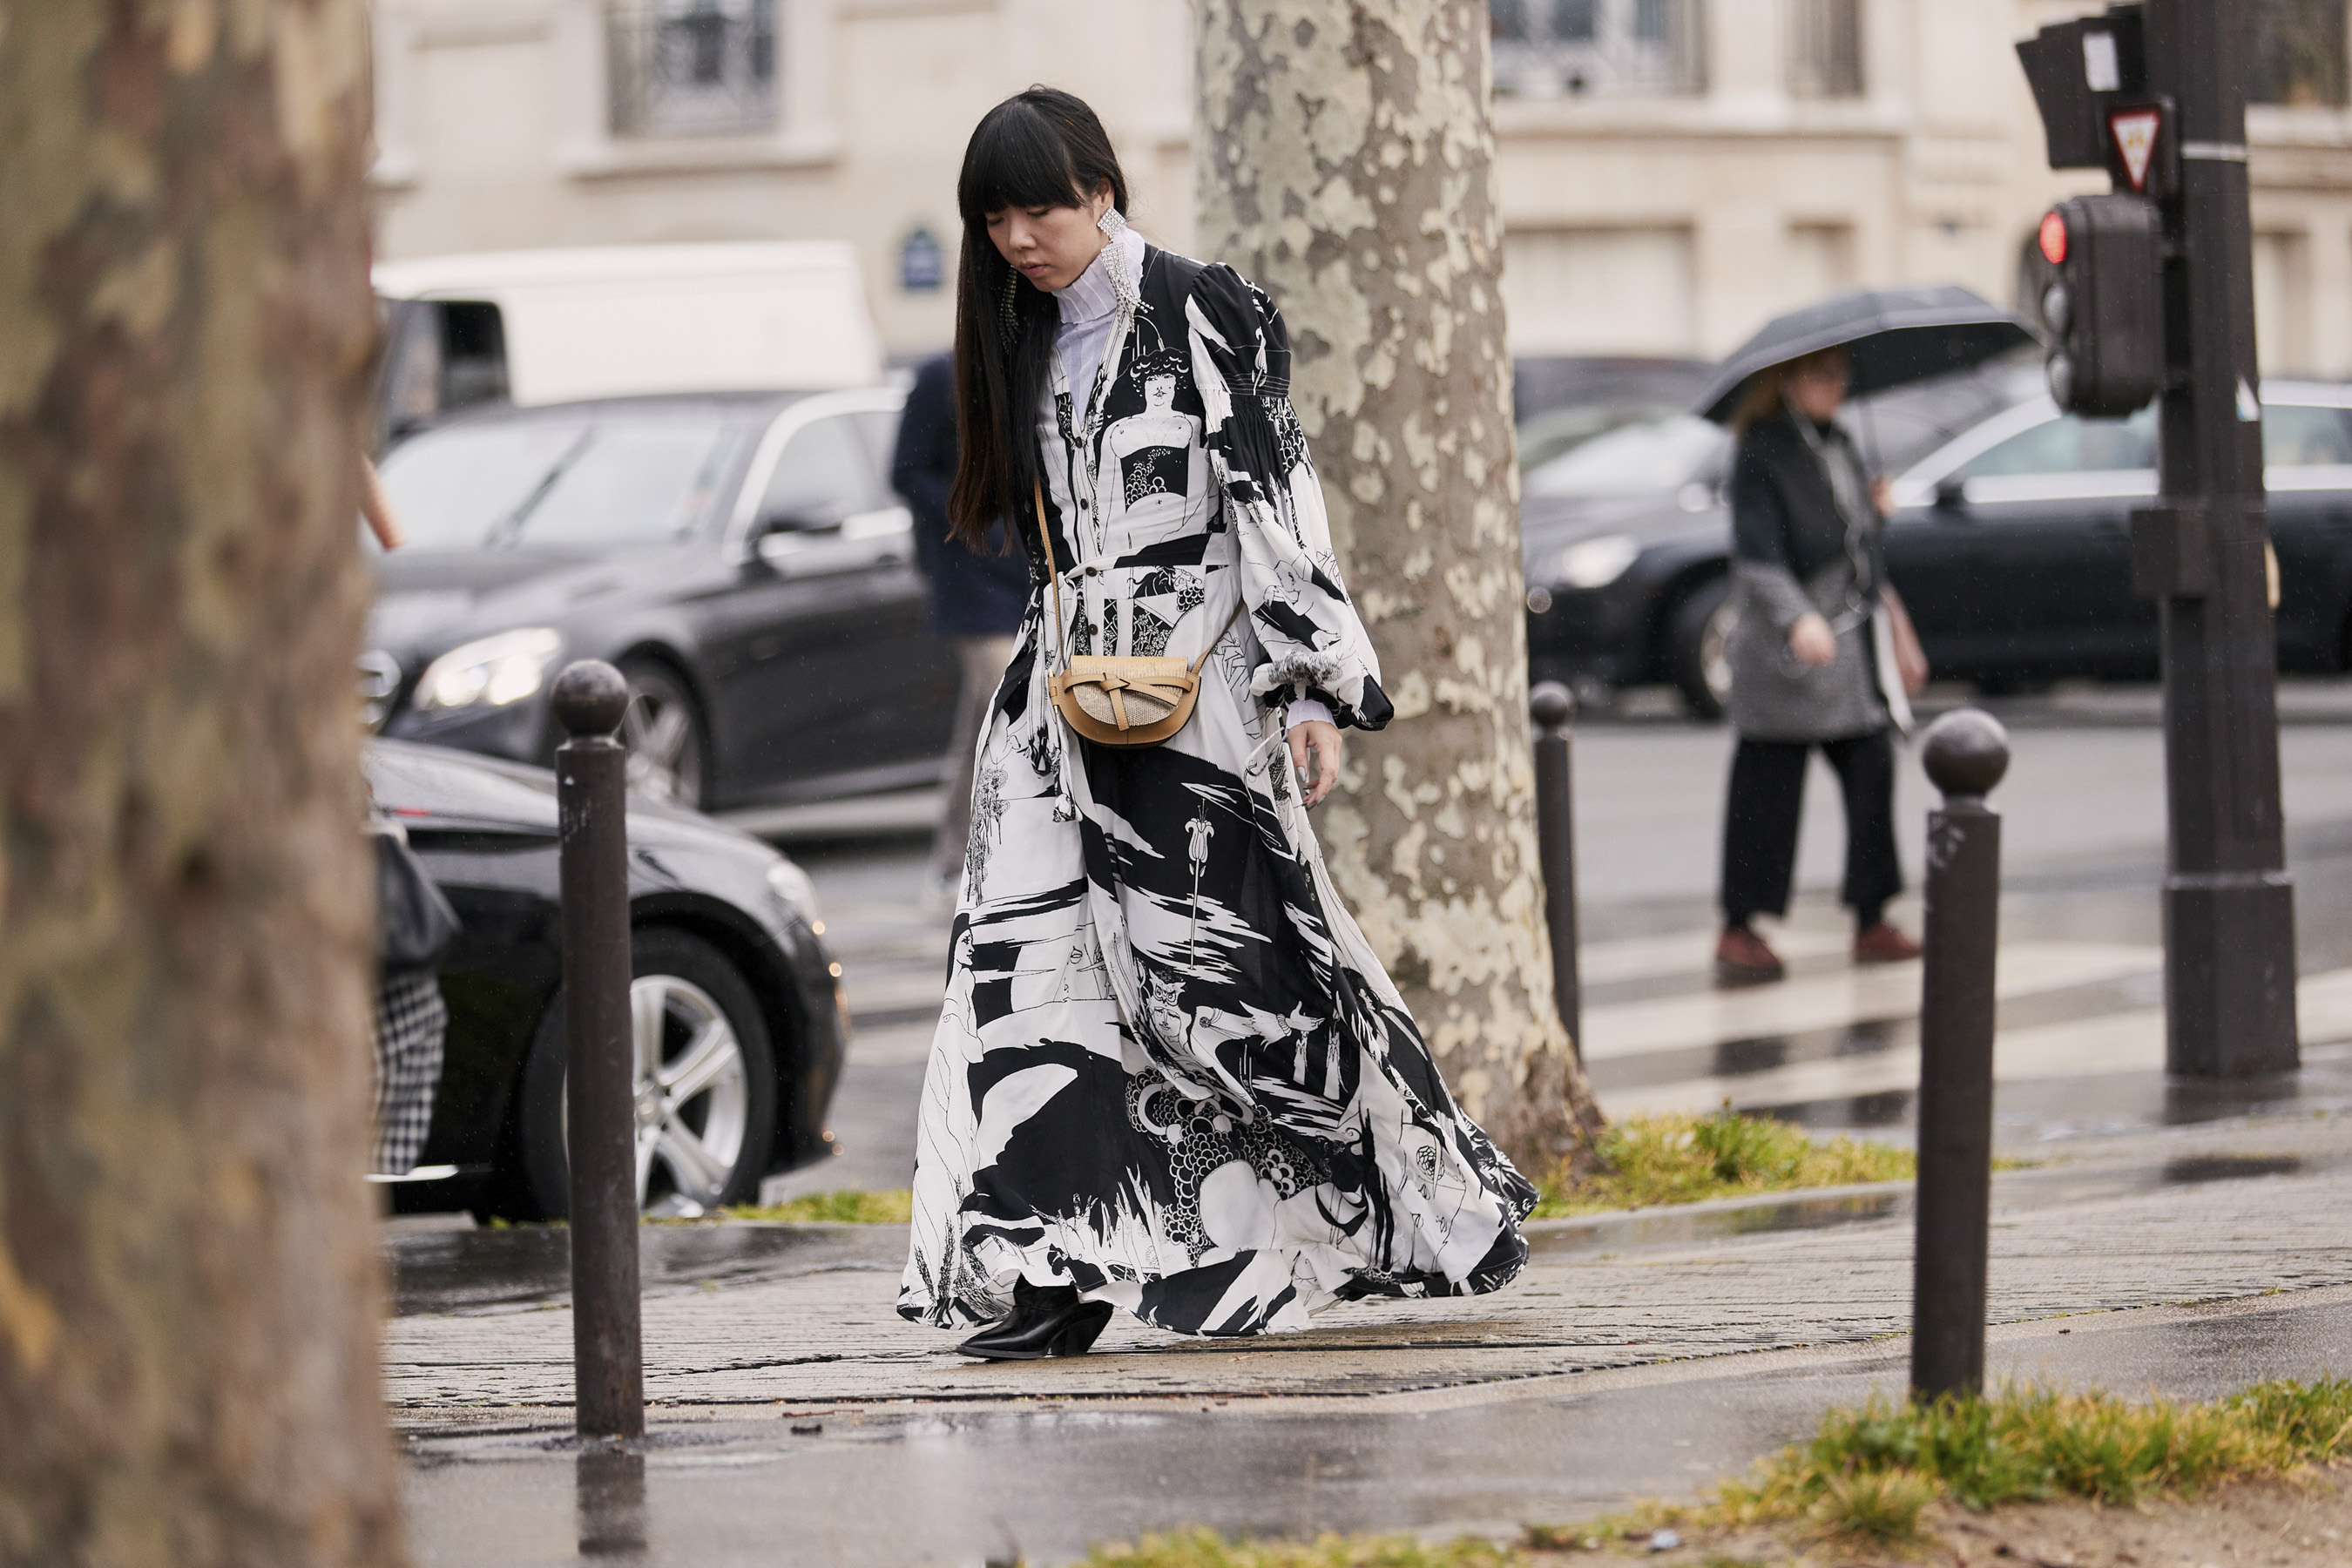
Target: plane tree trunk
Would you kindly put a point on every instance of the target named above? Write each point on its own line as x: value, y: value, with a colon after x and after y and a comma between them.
x: 188, y: 1281
x: 1344, y: 159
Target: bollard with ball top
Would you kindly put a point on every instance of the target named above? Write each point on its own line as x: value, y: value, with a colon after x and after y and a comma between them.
x: 1966, y: 753
x: 1551, y: 707
x: 600, y: 1081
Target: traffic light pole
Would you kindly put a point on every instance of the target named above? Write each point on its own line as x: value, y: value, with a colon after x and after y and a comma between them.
x: 2229, y: 905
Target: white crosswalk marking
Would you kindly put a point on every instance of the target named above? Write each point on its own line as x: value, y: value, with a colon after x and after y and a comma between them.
x: 1835, y: 1001
x: 2129, y: 1041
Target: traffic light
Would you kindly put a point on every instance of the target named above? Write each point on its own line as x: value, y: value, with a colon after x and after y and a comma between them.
x: 2103, y: 305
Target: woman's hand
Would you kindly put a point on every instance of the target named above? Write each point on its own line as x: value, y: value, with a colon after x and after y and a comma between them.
x: 1321, y: 740
x: 1882, y: 495
x: 1811, y: 640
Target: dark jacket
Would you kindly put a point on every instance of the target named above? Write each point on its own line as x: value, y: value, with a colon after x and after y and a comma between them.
x: 973, y: 593
x: 1789, y: 556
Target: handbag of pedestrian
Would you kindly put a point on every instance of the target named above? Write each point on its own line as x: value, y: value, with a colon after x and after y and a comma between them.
x: 416, y: 926
x: 1120, y: 699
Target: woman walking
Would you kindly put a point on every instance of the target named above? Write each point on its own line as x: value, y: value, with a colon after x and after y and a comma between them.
x: 1822, y: 655
x: 1170, y: 1076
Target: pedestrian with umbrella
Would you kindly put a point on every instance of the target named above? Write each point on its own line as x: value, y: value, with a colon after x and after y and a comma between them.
x: 1822, y: 653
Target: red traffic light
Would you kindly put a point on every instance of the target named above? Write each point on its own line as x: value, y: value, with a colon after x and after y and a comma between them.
x: 2052, y: 239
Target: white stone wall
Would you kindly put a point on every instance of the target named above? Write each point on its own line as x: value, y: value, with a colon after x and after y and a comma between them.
x: 1670, y: 224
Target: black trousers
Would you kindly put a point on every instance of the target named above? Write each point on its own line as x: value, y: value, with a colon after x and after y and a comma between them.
x: 1767, y: 803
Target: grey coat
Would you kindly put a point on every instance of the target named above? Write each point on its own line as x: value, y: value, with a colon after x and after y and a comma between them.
x: 1792, y: 554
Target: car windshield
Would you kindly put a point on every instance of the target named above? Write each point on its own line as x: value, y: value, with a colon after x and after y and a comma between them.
x: 1632, y: 459
x: 566, y: 483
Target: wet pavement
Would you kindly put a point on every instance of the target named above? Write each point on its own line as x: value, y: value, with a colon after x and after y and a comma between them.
x: 794, y: 1421
x: 1041, y: 1483
x: 795, y: 1418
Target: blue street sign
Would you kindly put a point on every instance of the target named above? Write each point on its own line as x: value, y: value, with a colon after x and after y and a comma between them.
x: 920, y: 264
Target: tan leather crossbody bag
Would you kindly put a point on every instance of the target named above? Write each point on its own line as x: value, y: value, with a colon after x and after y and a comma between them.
x: 1119, y: 701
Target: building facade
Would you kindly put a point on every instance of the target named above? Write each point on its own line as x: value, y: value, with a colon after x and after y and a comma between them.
x: 1674, y: 172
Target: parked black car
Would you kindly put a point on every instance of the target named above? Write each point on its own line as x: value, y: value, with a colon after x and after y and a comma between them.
x: 2011, y: 544
x: 742, y: 558
x: 740, y: 1027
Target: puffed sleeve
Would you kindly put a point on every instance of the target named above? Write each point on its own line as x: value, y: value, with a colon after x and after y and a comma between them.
x: 1290, y: 579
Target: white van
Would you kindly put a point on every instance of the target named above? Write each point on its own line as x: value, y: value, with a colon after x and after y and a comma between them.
x: 554, y: 326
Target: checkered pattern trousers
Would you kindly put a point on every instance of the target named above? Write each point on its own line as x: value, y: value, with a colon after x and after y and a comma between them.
x: 411, y: 1021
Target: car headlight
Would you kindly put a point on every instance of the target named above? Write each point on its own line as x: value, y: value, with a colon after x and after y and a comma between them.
x: 1595, y: 563
x: 793, y: 884
x: 493, y: 672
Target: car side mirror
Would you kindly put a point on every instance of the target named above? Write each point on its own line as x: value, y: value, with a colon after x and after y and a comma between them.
x: 1951, y: 493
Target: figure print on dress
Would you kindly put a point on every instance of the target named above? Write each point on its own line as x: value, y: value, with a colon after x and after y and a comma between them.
x: 1156, y: 452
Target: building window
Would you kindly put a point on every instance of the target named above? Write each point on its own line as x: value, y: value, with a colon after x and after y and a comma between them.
x: 2296, y: 52
x: 692, y: 67
x: 1825, y: 48
x: 1554, y: 49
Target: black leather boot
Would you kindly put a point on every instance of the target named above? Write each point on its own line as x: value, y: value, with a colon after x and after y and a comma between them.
x: 1046, y: 1320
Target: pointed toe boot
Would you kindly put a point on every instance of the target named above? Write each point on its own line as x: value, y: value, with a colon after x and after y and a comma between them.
x: 1045, y: 1320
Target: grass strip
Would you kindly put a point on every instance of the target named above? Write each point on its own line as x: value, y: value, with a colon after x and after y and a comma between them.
x: 894, y: 1206
x: 1672, y: 1159
x: 1868, y: 1475
x: 1685, y: 1159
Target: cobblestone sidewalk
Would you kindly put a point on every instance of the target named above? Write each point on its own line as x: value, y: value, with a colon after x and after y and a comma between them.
x: 2198, y: 1228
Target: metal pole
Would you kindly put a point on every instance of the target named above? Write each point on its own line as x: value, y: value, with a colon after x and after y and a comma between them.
x: 1552, y: 707
x: 600, y: 1081
x: 1966, y: 752
x: 2229, y: 906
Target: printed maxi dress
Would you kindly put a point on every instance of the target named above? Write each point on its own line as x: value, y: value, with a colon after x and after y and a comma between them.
x: 1170, y: 1070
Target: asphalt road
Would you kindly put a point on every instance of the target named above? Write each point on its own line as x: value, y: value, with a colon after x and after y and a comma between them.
x: 2084, y: 835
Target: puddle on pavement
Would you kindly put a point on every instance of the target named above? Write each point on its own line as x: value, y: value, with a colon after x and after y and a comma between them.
x: 2228, y: 1168
x: 609, y: 1490
x: 476, y: 1270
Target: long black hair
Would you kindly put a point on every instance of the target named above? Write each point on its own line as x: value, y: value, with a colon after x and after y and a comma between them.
x: 1042, y: 148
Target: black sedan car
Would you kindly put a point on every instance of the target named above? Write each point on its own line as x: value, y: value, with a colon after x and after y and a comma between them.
x: 742, y: 558
x: 2011, y: 543
x: 740, y: 1026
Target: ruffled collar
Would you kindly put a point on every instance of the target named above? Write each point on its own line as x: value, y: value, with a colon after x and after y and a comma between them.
x: 1095, y: 293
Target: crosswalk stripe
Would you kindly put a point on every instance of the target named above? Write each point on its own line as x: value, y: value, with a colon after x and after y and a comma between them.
x: 1837, y: 1001
x: 2131, y: 1041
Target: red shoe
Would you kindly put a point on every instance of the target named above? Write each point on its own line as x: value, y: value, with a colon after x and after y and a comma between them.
x: 1883, y: 943
x: 1742, y: 959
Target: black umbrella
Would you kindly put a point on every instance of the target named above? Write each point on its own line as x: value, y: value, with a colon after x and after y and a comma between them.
x: 1891, y: 336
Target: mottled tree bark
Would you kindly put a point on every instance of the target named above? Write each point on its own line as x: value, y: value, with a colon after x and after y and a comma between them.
x: 188, y: 1280
x: 1345, y: 156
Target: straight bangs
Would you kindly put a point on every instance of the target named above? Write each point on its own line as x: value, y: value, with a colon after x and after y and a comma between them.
x: 1017, y: 159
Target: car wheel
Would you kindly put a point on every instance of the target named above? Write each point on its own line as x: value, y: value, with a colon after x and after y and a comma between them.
x: 664, y: 735
x: 1698, y: 647
x: 706, y: 1090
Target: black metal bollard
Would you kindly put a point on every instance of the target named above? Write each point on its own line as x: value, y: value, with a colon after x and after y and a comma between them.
x: 1966, y: 754
x: 1552, y: 707
x: 600, y: 1078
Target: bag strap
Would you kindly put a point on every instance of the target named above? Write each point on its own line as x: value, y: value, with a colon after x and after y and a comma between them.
x: 1054, y: 588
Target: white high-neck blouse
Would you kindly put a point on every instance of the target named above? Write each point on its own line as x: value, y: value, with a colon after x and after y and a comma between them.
x: 1089, y: 307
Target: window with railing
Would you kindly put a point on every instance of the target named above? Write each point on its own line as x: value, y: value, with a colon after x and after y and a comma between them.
x: 2296, y: 52
x: 692, y: 67
x: 1554, y: 49
x: 1824, y: 48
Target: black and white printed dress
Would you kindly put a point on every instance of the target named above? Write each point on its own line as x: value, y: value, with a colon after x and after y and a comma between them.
x: 1170, y: 1070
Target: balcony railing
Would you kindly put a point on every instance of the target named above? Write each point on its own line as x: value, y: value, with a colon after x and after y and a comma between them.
x: 692, y: 67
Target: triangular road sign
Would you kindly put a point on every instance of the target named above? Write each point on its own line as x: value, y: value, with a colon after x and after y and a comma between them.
x: 2135, y: 134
